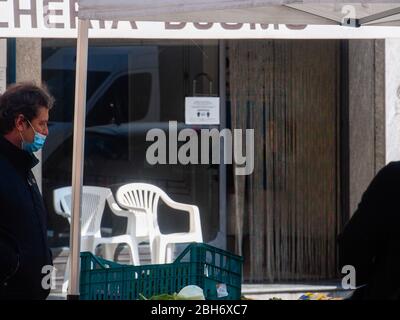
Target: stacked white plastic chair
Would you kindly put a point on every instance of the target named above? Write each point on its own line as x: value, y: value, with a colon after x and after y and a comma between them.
x: 142, y: 200
x: 94, y: 200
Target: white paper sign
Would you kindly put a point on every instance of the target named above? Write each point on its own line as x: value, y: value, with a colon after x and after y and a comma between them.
x: 202, y: 110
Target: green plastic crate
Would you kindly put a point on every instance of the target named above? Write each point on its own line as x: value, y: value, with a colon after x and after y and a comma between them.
x: 216, y: 271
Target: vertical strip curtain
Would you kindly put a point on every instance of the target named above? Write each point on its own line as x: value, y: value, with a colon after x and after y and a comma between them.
x: 287, y: 91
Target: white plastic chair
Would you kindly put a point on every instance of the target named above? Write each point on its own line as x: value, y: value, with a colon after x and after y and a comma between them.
x: 142, y: 196
x: 93, y: 204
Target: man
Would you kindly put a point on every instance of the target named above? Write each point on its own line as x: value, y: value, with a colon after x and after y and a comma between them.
x: 24, y: 251
x: 370, y: 241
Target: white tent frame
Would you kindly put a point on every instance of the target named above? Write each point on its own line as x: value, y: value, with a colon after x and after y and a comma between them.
x: 81, y: 79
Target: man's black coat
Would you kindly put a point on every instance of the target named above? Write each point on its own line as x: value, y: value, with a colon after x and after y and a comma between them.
x: 24, y: 249
x: 371, y: 239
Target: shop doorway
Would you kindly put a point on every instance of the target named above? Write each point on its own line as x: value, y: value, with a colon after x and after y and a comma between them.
x: 285, y: 217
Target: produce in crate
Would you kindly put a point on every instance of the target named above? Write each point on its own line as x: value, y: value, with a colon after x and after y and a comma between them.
x: 190, y: 292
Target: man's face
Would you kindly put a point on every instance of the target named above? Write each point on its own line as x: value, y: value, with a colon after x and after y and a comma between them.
x: 39, y: 123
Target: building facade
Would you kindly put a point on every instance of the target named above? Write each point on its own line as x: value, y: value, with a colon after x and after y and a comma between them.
x: 324, y: 114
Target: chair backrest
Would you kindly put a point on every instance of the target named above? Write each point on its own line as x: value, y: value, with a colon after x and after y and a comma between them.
x: 93, y: 205
x: 140, y: 196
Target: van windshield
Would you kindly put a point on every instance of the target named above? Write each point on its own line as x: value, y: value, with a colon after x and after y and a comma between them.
x: 62, y: 85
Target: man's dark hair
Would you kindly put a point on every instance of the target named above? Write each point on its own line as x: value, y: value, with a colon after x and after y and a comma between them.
x: 24, y: 98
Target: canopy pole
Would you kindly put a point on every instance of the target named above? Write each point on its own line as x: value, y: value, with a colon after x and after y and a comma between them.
x: 309, y: 10
x: 78, y: 157
x: 380, y: 15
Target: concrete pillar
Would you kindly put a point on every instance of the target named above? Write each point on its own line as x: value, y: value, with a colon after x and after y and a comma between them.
x: 392, y: 97
x: 380, y: 105
x: 3, y: 65
x: 29, y: 68
x: 366, y: 115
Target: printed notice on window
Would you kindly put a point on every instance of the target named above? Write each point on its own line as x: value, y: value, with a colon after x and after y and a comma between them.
x: 202, y: 110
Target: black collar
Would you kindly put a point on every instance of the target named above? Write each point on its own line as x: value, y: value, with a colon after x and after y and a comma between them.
x: 19, y: 158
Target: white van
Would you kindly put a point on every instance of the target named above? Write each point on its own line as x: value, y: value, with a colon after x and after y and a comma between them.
x: 108, y: 67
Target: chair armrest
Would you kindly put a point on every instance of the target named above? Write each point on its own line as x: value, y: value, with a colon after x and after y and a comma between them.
x: 57, y: 206
x: 194, y: 214
x: 117, y: 210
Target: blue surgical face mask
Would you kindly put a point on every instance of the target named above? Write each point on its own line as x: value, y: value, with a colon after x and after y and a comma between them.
x: 37, y: 144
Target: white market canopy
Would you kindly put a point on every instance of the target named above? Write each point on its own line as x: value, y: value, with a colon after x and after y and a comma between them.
x: 320, y: 12
x: 230, y: 19
x: 309, y: 12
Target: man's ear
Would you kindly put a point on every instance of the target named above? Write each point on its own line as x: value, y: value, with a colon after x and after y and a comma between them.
x: 20, y: 122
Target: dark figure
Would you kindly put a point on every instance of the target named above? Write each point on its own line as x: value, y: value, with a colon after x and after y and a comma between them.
x: 371, y: 239
x: 25, y: 256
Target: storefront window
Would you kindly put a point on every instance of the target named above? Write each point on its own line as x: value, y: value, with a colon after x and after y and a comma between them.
x: 131, y: 89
